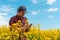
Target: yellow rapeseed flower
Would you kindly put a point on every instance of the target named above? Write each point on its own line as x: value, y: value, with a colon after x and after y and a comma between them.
x: 34, y: 39
x: 19, y: 21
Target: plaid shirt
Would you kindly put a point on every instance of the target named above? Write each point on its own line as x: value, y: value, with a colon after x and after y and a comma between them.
x: 15, y: 19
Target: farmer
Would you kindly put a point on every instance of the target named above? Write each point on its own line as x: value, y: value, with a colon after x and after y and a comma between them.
x: 21, y: 11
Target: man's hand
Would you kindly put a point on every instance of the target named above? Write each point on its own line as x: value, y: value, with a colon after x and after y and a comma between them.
x: 26, y: 27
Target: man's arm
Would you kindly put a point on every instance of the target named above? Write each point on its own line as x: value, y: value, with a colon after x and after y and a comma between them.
x: 26, y: 28
x: 27, y: 25
x: 10, y: 23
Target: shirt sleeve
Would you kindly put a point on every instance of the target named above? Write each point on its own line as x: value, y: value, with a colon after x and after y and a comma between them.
x: 11, y: 21
x: 26, y: 21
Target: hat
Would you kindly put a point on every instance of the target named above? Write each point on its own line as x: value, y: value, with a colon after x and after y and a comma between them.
x: 21, y: 8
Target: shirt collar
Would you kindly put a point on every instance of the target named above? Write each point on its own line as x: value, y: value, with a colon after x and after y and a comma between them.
x: 19, y: 17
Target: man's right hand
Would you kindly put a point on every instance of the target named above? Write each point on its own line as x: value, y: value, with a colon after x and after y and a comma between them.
x: 26, y: 28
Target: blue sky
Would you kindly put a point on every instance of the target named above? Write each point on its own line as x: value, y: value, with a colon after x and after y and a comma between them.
x: 43, y: 12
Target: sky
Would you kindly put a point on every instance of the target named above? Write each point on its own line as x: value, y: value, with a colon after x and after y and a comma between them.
x: 43, y: 12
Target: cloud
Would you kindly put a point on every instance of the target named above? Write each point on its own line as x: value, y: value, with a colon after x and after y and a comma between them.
x: 3, y: 20
x: 34, y: 1
x: 4, y: 12
x: 5, y: 8
x: 35, y: 12
x: 50, y: 2
x: 53, y: 9
x: 50, y: 16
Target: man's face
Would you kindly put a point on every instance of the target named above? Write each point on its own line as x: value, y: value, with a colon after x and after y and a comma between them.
x: 22, y: 13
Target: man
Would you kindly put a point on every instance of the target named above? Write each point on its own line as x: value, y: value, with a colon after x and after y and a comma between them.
x: 20, y: 16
